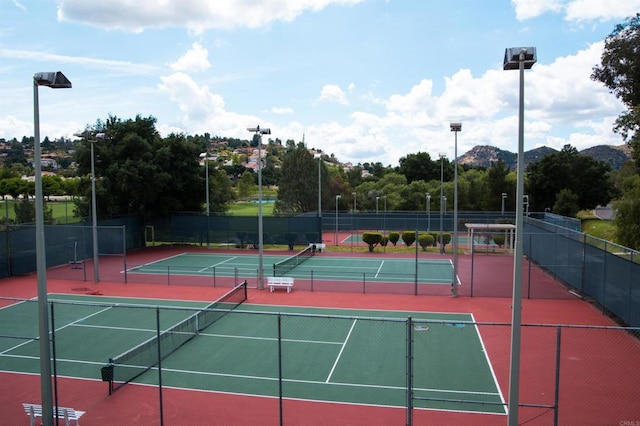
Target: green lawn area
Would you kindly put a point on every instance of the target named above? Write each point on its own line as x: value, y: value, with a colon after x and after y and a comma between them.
x: 62, y: 211
x: 599, y: 228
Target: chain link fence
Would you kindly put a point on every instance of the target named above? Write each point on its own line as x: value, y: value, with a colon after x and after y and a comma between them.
x: 260, y: 364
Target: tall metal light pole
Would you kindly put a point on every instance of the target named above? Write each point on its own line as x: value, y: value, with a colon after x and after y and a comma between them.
x: 259, y: 132
x: 205, y: 155
x: 518, y: 58
x: 504, y: 196
x: 455, y: 128
x: 377, y: 199
x: 55, y: 80
x: 442, y: 157
x: 428, y: 211
x: 319, y: 158
x: 91, y: 138
x: 355, y: 202
x: 337, y: 199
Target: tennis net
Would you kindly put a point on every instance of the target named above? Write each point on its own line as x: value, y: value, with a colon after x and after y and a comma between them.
x: 284, y: 266
x: 139, y: 359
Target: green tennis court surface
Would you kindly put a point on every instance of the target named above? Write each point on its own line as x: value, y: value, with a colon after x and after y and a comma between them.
x: 330, y: 355
x: 431, y: 271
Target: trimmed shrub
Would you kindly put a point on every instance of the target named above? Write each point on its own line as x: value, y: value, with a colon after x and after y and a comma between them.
x: 408, y: 237
x: 372, y: 238
x: 394, y: 237
x: 425, y: 240
x: 384, y: 241
x: 498, y: 239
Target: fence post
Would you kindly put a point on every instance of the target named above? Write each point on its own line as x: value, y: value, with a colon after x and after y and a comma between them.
x: 280, y: 367
x: 409, y: 338
x: 159, y: 346
x: 556, y: 396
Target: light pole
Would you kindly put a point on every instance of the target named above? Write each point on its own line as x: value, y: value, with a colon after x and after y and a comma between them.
x: 337, y: 199
x: 504, y: 197
x: 55, y: 80
x: 259, y: 132
x: 355, y: 202
x: 517, y: 58
x: 455, y: 128
x: 377, y: 199
x: 526, y: 204
x: 319, y: 158
x: 428, y: 211
x: 442, y: 157
x: 94, y: 211
x: 205, y: 155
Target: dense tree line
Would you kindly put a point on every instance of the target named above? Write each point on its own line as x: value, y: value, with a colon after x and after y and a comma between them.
x: 619, y: 70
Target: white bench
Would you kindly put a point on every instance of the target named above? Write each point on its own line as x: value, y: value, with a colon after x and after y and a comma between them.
x: 318, y: 246
x: 284, y: 282
x: 68, y: 414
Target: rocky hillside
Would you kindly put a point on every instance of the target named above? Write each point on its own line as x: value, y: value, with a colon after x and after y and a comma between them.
x: 484, y: 155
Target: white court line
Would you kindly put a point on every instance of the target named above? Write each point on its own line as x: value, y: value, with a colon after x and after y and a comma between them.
x: 217, y: 264
x: 341, y: 350
x: 379, y: 269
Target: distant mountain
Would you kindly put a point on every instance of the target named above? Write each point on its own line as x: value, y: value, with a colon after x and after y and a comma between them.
x: 615, y: 156
x: 484, y: 155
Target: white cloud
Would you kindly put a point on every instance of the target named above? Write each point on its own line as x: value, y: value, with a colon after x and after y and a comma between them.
x: 196, y: 16
x: 527, y: 9
x: 333, y: 93
x: 577, y: 10
x: 603, y: 10
x: 281, y: 110
x: 19, y: 5
x: 124, y: 67
x: 194, y: 60
x: 204, y: 111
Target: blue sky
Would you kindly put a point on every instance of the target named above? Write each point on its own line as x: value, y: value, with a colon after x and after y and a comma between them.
x: 365, y: 80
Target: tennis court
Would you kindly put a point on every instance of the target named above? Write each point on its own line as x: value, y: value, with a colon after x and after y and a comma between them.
x: 427, y: 271
x: 315, y: 354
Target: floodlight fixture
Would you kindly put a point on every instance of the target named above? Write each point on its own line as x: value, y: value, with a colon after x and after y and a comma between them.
x: 55, y: 80
x: 514, y: 56
x: 260, y: 131
x: 456, y: 127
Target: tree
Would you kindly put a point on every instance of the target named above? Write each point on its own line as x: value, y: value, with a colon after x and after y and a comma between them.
x: 298, y: 190
x: 246, y: 185
x: 425, y: 240
x: 566, y: 203
x: 138, y: 172
x: 627, y: 217
x: 220, y: 191
x: 497, y: 184
x: 620, y: 72
x: 25, y: 211
x: 588, y: 179
x: 419, y: 167
x: 372, y: 239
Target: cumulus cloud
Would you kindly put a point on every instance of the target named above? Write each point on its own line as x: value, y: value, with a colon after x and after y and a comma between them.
x: 197, y: 16
x: 527, y: 9
x: 194, y: 60
x: 576, y: 10
x: 333, y: 93
x: 603, y: 10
